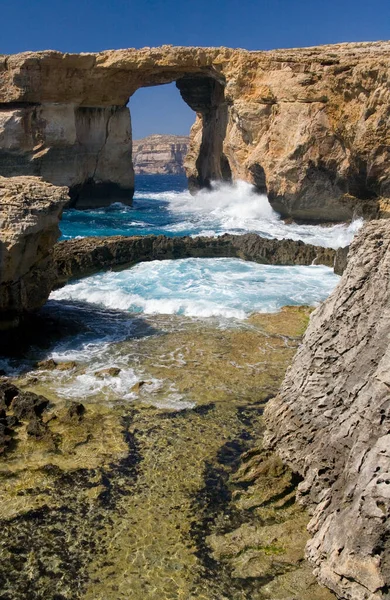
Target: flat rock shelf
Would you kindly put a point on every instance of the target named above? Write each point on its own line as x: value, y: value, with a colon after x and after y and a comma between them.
x: 138, y: 500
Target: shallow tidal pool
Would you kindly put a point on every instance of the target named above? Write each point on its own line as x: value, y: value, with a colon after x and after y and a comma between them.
x: 164, y: 491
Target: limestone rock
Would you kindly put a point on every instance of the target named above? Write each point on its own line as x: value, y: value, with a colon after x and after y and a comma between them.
x: 29, y: 215
x: 81, y: 257
x: 330, y: 422
x: 160, y: 154
x: 309, y: 126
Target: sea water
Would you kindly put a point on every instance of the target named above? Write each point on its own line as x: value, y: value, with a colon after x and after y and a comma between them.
x: 203, y: 287
x: 117, y: 307
x: 163, y: 205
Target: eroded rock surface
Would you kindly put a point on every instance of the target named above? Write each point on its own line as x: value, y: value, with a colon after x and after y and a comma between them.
x: 81, y: 257
x: 330, y: 422
x: 30, y: 210
x: 309, y: 126
x: 160, y: 154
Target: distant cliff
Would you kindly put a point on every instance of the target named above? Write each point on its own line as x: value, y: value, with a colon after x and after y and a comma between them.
x: 160, y: 154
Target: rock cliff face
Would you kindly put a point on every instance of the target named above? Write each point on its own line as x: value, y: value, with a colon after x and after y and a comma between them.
x: 308, y: 126
x: 30, y: 210
x: 331, y: 423
x: 160, y: 154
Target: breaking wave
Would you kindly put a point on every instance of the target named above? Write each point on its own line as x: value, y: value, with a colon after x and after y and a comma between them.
x: 227, y: 208
x: 222, y: 287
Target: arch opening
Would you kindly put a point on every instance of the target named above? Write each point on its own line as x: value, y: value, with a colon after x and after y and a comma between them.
x: 204, y: 94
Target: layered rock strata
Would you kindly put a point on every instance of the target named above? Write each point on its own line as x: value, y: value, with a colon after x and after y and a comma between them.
x: 30, y: 210
x: 81, y: 257
x: 331, y: 423
x: 160, y: 155
x: 309, y: 126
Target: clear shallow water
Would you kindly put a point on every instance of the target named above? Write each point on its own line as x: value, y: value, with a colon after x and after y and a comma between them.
x: 194, y: 287
x: 163, y: 205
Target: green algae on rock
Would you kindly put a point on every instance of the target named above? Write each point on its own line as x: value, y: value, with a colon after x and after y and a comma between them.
x: 129, y: 500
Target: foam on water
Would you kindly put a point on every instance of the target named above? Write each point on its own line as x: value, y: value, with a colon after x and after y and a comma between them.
x: 227, y: 208
x: 101, y: 344
x: 222, y: 287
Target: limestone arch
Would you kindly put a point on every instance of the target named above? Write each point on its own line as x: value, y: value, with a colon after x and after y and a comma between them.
x: 66, y: 117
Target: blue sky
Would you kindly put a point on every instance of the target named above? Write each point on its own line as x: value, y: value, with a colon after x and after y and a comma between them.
x: 86, y: 25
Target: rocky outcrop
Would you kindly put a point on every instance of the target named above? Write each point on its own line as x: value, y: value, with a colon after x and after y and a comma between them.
x: 307, y: 126
x: 81, y: 257
x: 331, y: 423
x: 160, y: 154
x: 87, y: 149
x: 30, y: 210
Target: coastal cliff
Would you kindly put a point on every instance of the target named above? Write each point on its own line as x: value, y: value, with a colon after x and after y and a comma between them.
x: 307, y: 126
x: 160, y: 155
x: 330, y: 423
x: 30, y: 211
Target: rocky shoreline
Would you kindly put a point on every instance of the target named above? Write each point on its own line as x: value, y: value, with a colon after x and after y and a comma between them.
x: 78, y: 258
x: 87, y: 486
x: 103, y: 498
x: 32, y: 264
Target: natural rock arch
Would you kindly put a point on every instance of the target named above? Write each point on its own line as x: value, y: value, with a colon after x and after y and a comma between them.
x: 307, y: 126
x: 79, y: 134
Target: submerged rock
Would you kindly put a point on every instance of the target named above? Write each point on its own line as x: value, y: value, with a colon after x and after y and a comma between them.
x: 110, y: 372
x: 331, y: 422
x: 82, y: 257
x: 139, y: 385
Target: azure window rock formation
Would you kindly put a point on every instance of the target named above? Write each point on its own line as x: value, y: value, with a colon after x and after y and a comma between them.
x: 308, y: 126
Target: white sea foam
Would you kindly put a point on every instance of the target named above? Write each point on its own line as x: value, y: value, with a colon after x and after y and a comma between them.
x: 237, y: 208
x: 222, y: 287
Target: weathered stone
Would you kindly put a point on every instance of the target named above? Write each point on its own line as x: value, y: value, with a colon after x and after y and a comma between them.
x: 5, y: 437
x: 36, y: 428
x: 309, y: 126
x: 75, y: 411
x: 47, y: 364
x: 8, y: 391
x: 80, y: 257
x: 110, y: 371
x: 27, y: 405
x: 331, y: 419
x: 66, y: 366
x: 340, y: 261
x: 29, y: 214
x: 160, y: 154
x: 139, y: 385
